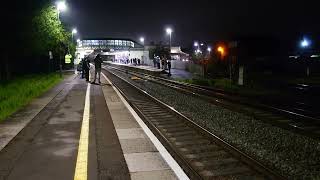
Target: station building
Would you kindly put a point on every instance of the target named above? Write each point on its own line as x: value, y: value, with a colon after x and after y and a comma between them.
x: 119, y: 50
x: 116, y: 50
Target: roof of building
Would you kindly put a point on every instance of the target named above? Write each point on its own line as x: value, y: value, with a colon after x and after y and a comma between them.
x: 123, y: 39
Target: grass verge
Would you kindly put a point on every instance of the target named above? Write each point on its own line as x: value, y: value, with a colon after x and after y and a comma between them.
x: 18, y: 92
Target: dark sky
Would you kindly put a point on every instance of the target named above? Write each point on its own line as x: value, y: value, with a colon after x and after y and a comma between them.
x: 204, y: 20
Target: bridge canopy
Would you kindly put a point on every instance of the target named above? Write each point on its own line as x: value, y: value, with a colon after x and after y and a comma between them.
x: 109, y: 44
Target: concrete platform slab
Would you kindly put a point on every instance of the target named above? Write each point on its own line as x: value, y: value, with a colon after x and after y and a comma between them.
x: 149, y: 161
x: 133, y: 133
x: 154, y: 175
x: 137, y: 146
x: 125, y: 124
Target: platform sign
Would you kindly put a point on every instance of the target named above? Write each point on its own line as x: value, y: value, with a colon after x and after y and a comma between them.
x: 67, y: 58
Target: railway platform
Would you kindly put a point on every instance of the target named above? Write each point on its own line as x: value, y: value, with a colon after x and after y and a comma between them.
x: 175, y: 73
x: 141, y: 68
x: 82, y: 131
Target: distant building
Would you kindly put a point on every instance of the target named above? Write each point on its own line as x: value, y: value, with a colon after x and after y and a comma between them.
x: 178, y: 54
x: 116, y: 50
x: 121, y: 50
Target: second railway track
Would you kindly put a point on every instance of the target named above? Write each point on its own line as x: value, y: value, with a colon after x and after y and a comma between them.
x: 299, y: 123
x: 201, y: 154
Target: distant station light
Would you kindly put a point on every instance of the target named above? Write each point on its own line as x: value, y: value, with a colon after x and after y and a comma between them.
x: 198, y: 51
x: 209, y: 49
x: 221, y: 50
x: 196, y: 44
x: 142, y: 40
x: 305, y: 43
x: 169, y: 31
x: 74, y: 31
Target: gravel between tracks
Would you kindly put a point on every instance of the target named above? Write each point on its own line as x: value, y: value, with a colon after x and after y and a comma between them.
x: 295, y: 156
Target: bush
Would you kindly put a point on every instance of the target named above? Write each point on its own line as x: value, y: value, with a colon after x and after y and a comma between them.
x: 18, y: 92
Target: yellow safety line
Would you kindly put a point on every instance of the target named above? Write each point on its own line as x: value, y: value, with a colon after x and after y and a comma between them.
x: 81, y: 171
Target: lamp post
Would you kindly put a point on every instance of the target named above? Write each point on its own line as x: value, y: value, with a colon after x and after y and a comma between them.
x: 74, y: 31
x: 221, y: 50
x: 142, y: 42
x: 169, y: 32
x: 61, y: 6
x: 305, y: 44
x: 209, y: 50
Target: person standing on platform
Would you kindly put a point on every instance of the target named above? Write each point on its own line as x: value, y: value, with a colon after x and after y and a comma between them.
x: 97, y: 65
x: 162, y: 63
x: 81, y: 65
x: 169, y: 67
x: 86, y: 67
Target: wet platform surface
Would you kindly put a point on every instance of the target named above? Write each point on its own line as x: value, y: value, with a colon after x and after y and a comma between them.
x: 47, y: 142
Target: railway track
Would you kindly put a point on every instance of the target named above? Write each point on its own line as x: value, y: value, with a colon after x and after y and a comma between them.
x: 200, y: 153
x: 275, y: 115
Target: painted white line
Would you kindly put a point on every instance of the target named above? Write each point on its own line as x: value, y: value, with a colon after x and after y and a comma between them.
x: 81, y: 171
x: 162, y: 150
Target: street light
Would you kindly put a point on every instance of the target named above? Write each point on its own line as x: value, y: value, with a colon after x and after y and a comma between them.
x: 142, y: 40
x: 169, y: 32
x: 209, y: 50
x: 221, y: 50
x: 195, y: 44
x: 61, y: 6
x: 305, y: 43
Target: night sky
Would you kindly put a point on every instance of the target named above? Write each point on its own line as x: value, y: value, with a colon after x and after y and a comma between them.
x: 194, y: 20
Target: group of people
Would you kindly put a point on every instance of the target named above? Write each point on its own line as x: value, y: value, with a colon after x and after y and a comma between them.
x: 165, y: 64
x: 134, y: 61
x: 86, y: 68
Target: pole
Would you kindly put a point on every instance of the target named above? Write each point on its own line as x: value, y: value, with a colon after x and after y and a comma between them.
x: 230, y: 77
x: 170, y: 41
x: 60, y: 67
x: 60, y: 63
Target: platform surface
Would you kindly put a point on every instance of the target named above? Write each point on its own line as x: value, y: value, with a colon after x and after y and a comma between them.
x: 79, y: 129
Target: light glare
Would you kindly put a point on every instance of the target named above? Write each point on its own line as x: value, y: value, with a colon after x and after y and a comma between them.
x: 169, y: 30
x: 305, y: 43
x: 61, y: 6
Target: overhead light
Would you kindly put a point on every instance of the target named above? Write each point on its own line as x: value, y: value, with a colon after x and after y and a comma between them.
x: 61, y: 6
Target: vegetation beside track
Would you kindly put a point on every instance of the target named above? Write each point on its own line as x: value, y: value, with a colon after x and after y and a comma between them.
x: 18, y: 92
x: 226, y: 85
